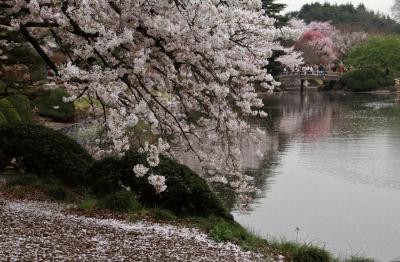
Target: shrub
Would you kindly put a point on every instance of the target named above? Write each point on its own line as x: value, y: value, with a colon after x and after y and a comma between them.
x: 359, y: 259
x: 88, y: 203
x: 309, y: 253
x: 163, y: 214
x: 23, y: 107
x: 121, y: 201
x: 9, y: 112
x: 51, y: 105
x: 223, y: 230
x: 44, y: 152
x: 302, y: 252
x: 187, y: 193
x: 57, y: 192
x: 3, y: 119
x: 366, y: 79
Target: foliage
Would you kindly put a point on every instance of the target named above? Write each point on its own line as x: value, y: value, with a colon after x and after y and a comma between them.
x: 9, y: 112
x: 157, y: 62
x: 18, y: 52
x: 51, y: 104
x: 396, y: 10
x: 22, y: 106
x: 44, y: 152
x: 348, y: 16
x: 302, y: 252
x: 187, y: 193
x: 273, y: 9
x: 380, y: 51
x: 163, y: 214
x: 222, y: 230
x: 323, y: 43
x: 88, y: 203
x: 366, y: 79
x: 359, y: 259
x: 57, y: 192
x: 3, y: 119
x: 121, y: 201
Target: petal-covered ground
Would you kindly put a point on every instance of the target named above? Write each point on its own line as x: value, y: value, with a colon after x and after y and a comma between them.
x: 40, y: 231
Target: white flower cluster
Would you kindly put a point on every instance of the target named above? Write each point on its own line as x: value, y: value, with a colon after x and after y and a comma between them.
x: 186, y: 70
x: 158, y: 182
x: 140, y: 170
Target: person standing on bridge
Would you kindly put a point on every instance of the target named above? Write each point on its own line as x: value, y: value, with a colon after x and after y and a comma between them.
x: 321, y: 69
x: 341, y: 68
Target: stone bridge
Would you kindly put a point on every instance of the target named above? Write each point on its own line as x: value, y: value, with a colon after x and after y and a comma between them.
x: 328, y: 76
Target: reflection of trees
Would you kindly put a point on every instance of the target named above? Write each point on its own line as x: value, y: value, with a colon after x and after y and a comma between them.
x: 290, y: 114
x: 309, y: 116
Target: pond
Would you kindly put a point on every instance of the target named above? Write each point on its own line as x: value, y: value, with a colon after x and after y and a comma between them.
x: 331, y: 173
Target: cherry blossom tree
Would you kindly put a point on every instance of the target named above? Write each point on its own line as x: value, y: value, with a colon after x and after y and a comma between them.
x: 321, y: 42
x: 186, y: 68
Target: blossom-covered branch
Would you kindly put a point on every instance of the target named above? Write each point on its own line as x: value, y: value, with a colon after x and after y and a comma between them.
x: 186, y: 68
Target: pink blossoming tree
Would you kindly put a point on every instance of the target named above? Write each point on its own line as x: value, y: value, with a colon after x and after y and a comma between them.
x: 321, y: 42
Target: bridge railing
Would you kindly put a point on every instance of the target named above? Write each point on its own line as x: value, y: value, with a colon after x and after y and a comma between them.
x: 315, y: 74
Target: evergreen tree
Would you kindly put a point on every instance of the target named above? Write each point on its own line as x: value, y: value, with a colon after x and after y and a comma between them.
x: 348, y: 16
x: 273, y: 9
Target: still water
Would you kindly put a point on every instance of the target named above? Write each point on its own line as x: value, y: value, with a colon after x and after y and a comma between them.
x: 332, y: 171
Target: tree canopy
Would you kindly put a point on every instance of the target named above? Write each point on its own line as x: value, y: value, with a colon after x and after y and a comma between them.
x: 396, y: 10
x: 273, y: 9
x: 186, y: 69
x: 379, y: 51
x: 347, y: 16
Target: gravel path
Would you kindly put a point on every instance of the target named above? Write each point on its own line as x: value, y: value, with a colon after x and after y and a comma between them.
x: 39, y: 231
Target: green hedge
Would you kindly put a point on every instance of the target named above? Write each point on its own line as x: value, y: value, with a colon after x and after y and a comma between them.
x: 121, y: 201
x: 366, y: 79
x: 51, y: 105
x: 44, y: 152
x: 23, y: 107
x: 186, y: 194
x: 9, y: 112
x: 3, y: 119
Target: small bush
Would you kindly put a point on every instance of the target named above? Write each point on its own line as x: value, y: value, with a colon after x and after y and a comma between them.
x: 9, y: 112
x: 163, y: 214
x: 222, y: 230
x: 23, y: 106
x: 302, y: 252
x: 122, y: 201
x: 187, y: 193
x: 366, y: 79
x: 3, y: 119
x: 44, y: 152
x: 311, y: 254
x: 57, y: 192
x: 89, y: 203
x: 51, y: 105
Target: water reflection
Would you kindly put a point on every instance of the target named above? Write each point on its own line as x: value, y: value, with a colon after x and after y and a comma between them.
x: 331, y: 169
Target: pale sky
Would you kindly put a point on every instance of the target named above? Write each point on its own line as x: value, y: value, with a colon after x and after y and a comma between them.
x: 382, y: 6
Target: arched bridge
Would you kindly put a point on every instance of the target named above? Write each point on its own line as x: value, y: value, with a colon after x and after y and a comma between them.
x: 330, y: 76
x: 302, y: 77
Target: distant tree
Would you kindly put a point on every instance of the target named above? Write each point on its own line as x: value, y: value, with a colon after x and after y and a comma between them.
x: 19, y: 63
x: 321, y: 42
x: 396, y: 10
x: 345, y: 15
x: 382, y: 52
x: 273, y: 9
